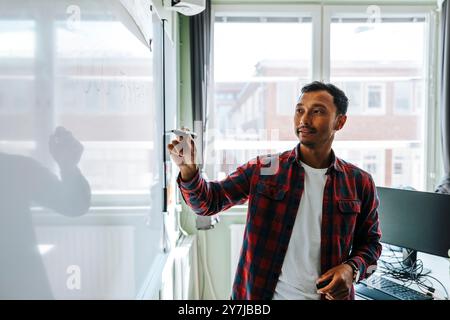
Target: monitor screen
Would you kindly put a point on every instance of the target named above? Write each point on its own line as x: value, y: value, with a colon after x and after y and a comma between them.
x: 415, y: 220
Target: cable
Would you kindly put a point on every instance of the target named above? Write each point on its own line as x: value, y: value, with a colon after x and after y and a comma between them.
x: 442, y: 285
x: 394, y: 267
x: 199, y: 250
x: 206, y: 277
x: 206, y: 269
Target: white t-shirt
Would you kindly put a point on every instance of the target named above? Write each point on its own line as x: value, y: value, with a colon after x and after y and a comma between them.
x: 301, y: 266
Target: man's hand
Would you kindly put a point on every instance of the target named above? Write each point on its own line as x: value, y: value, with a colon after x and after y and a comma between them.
x: 65, y: 148
x: 341, y: 283
x: 183, y: 152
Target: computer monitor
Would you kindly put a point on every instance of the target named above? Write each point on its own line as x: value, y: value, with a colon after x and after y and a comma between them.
x: 415, y: 220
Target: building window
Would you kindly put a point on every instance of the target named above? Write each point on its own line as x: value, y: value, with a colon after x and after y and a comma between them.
x: 403, y: 97
x: 17, y: 50
x: 398, y: 168
x: 354, y: 93
x: 371, y: 167
x: 287, y: 93
x: 370, y: 163
x: 418, y: 100
x: 375, y: 98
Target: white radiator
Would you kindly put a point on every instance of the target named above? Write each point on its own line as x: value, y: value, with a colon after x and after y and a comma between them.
x: 180, y: 276
x: 236, y: 238
x: 103, y: 257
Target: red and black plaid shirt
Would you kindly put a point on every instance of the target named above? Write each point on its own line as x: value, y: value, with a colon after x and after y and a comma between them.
x: 273, y: 186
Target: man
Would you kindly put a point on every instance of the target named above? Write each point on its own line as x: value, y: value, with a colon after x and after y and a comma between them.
x: 313, y: 221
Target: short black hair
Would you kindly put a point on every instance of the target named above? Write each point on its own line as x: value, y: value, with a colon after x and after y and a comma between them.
x: 339, y: 98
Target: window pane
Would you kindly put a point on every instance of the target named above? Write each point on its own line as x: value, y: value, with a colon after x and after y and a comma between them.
x: 260, y: 63
x: 17, y: 76
x: 287, y: 93
x: 374, y: 97
x: 17, y: 39
x: 403, y: 97
x: 387, y: 60
x: 354, y: 94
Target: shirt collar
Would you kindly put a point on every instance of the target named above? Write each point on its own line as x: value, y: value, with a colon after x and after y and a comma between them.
x: 335, y: 161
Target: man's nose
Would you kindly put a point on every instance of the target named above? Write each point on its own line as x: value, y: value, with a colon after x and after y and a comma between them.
x: 306, y: 118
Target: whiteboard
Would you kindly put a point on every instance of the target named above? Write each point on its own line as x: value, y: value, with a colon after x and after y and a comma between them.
x: 80, y: 150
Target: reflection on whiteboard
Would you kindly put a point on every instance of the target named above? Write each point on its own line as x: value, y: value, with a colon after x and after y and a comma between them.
x: 82, y: 66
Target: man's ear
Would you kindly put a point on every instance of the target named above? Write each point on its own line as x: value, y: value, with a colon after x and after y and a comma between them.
x: 340, y: 122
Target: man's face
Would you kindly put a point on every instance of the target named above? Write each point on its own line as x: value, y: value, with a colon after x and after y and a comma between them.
x: 316, y: 119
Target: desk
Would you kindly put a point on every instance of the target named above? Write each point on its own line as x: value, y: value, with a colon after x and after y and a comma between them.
x: 440, y: 269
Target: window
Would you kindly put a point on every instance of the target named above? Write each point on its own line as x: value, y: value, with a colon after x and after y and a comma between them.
x: 364, y: 97
x: 353, y: 91
x: 382, y: 66
x: 257, y: 75
x: 371, y: 167
x: 375, y: 98
x: 367, y: 157
x: 387, y: 57
x: 287, y: 94
x: 406, y: 164
x: 398, y: 166
x: 373, y: 162
x: 418, y: 100
x: 403, y: 95
x: 17, y: 46
x: 17, y: 39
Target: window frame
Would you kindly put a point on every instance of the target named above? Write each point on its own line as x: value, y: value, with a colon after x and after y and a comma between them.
x: 321, y: 26
x: 431, y: 122
x: 300, y: 11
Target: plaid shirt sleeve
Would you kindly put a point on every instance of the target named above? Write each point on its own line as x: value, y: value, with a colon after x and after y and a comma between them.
x: 211, y: 197
x: 366, y: 247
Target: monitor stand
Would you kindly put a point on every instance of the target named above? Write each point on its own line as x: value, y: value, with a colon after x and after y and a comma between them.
x: 410, y: 260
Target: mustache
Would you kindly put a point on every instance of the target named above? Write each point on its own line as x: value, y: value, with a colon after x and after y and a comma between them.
x: 311, y: 129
